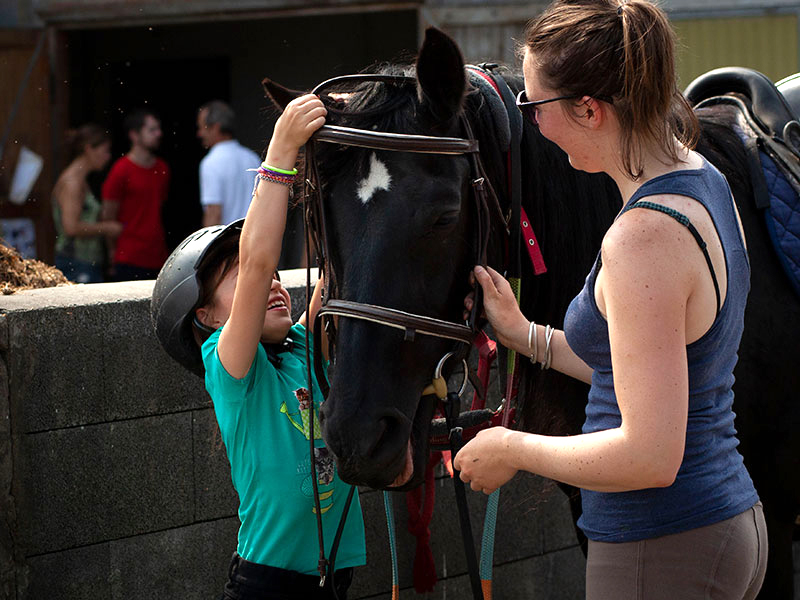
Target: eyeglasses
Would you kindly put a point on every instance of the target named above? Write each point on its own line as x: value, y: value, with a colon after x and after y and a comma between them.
x: 528, y: 109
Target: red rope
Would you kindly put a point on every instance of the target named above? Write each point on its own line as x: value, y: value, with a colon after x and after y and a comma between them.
x: 420, y: 513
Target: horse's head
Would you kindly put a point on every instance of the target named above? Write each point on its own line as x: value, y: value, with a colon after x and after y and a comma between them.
x: 401, y: 234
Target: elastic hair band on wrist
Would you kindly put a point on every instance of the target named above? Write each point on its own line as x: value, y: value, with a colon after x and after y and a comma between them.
x: 264, y: 165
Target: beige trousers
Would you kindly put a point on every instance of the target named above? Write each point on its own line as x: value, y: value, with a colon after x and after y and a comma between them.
x: 723, y: 561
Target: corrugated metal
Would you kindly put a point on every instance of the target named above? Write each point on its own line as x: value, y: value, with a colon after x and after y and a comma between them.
x: 492, y: 43
x: 766, y: 43
x: 486, y: 33
x: 115, y: 13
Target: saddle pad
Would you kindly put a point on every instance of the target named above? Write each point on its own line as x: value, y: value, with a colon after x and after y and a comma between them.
x: 783, y: 219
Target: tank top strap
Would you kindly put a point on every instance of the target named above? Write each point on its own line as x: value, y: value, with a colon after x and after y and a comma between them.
x: 683, y: 220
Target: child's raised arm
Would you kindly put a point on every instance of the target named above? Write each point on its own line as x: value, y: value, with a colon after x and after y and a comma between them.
x: 260, y: 243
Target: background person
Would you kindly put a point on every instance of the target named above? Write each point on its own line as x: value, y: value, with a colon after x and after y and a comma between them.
x: 668, y: 506
x: 133, y: 194
x: 80, y: 244
x: 226, y: 185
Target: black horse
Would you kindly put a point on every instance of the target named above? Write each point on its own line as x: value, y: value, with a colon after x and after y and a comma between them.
x: 401, y: 234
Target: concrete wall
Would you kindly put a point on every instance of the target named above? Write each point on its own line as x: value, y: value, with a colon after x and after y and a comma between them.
x: 114, y: 482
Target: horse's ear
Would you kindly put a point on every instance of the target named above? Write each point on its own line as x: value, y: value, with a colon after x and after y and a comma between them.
x: 440, y: 74
x: 280, y: 96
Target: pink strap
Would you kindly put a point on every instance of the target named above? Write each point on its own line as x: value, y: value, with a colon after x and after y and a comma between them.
x: 535, y: 254
x: 532, y: 244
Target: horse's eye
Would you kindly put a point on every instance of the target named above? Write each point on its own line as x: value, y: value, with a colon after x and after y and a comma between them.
x: 446, y: 220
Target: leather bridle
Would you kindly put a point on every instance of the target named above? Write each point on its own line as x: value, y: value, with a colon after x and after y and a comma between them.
x: 487, y: 207
x: 488, y: 212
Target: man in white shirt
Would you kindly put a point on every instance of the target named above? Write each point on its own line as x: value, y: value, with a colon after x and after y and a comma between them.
x: 226, y: 185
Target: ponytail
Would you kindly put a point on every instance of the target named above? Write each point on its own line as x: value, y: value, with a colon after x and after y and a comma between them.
x: 622, y: 49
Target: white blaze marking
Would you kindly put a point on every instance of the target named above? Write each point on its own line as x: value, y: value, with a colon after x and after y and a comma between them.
x: 377, y: 179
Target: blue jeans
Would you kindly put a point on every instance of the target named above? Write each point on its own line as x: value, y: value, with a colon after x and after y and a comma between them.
x: 252, y: 581
x: 79, y: 271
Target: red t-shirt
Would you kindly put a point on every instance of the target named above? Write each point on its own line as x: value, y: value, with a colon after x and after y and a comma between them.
x: 140, y: 193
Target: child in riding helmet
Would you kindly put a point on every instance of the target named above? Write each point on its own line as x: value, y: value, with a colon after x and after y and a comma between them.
x: 223, y: 281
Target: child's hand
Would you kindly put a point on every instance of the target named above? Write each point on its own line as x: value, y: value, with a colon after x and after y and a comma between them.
x: 499, y: 304
x: 301, y: 118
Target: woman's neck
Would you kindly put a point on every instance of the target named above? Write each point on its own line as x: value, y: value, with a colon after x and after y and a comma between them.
x: 654, y: 164
x: 79, y: 168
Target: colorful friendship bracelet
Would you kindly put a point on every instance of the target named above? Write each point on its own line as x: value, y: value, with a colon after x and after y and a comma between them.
x: 279, y: 179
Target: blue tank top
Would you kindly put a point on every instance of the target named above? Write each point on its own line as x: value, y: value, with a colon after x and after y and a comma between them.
x: 712, y: 483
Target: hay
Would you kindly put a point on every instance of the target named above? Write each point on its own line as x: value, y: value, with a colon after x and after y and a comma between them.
x: 17, y: 273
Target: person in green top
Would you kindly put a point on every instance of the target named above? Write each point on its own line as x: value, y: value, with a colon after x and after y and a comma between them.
x: 219, y: 308
x: 80, y: 249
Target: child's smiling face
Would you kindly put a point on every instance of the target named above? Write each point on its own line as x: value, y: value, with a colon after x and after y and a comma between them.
x: 277, y: 318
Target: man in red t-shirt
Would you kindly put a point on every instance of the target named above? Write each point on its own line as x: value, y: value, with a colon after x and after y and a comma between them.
x: 133, y: 194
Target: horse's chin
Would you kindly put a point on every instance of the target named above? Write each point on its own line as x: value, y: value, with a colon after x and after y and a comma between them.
x: 412, y: 473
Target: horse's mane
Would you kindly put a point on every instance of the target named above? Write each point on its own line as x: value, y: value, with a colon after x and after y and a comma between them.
x: 369, y: 105
x: 722, y: 147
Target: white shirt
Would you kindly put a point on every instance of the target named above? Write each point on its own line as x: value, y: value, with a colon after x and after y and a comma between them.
x: 225, y: 180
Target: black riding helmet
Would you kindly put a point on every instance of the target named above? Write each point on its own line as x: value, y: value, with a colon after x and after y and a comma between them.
x: 177, y: 291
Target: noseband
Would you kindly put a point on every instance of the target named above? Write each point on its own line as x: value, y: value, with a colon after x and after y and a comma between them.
x: 486, y: 202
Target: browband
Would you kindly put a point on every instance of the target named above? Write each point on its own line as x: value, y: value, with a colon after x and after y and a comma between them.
x: 401, y: 142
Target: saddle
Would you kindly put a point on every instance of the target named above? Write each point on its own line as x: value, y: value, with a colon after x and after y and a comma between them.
x: 767, y: 124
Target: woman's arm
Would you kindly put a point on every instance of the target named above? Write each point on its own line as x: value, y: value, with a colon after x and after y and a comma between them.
x: 512, y: 328
x: 70, y: 197
x: 262, y: 235
x: 646, y: 288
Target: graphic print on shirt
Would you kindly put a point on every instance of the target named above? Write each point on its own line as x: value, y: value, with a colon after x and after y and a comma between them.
x: 325, y: 465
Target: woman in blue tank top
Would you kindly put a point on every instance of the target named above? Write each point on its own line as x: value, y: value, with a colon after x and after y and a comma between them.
x: 668, y: 506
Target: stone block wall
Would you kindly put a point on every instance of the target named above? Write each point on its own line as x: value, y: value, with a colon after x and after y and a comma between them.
x: 114, y: 482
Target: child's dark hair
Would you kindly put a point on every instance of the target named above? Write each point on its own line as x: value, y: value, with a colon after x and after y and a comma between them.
x: 623, y: 49
x: 76, y: 140
x: 216, y: 264
x: 135, y: 120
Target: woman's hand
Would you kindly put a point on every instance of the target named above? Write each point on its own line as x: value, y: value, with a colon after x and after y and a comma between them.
x: 500, y: 306
x: 483, y: 461
x: 299, y: 120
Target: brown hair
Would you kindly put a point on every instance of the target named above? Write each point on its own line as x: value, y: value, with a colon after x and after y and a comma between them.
x: 221, y: 258
x: 77, y: 139
x: 622, y: 49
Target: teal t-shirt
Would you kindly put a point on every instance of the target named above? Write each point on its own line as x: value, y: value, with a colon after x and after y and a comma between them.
x: 266, y: 436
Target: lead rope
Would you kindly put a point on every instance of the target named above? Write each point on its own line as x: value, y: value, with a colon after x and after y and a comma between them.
x: 388, y: 506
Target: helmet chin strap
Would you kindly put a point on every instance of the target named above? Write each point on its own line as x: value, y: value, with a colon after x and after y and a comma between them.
x: 273, y: 349
x: 205, y: 330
